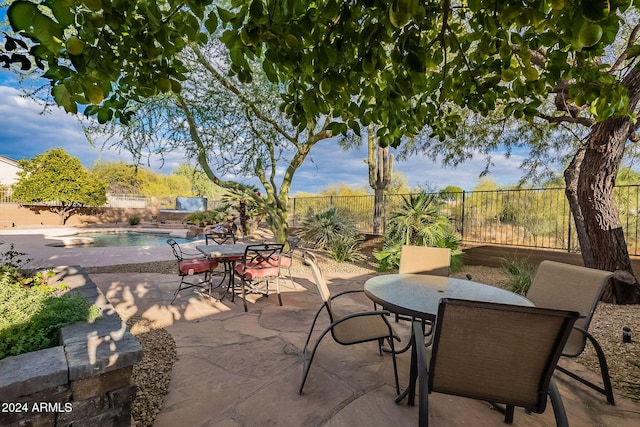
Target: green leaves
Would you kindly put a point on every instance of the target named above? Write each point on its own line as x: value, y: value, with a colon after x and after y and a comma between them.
x: 25, y: 17
x: 63, y: 97
x: 128, y: 47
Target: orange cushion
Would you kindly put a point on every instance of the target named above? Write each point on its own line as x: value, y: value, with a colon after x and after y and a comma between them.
x: 257, y: 270
x: 196, y: 265
x: 285, y: 261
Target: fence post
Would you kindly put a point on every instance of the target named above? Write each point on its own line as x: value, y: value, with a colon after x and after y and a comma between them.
x: 569, y: 234
x: 462, y: 214
x: 294, y: 211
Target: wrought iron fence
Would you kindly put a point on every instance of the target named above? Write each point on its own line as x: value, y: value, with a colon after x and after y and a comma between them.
x: 537, y: 218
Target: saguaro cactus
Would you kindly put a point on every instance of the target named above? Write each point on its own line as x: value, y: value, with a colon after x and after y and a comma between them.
x: 380, y: 167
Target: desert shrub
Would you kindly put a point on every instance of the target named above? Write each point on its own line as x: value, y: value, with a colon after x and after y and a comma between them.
x: 32, y: 312
x: 520, y: 274
x: 346, y: 248
x: 323, y: 228
x: 134, y: 220
x: 206, y: 217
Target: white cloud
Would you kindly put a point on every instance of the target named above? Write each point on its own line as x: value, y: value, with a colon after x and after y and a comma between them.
x: 26, y: 131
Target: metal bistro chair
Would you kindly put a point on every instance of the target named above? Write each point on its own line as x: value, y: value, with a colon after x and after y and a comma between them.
x: 260, y: 263
x: 191, y: 265
x: 572, y: 287
x: 287, y: 257
x: 500, y: 353
x: 222, y: 237
x: 353, y: 328
x: 219, y: 236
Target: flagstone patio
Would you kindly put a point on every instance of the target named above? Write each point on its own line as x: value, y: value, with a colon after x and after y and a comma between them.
x: 244, y: 369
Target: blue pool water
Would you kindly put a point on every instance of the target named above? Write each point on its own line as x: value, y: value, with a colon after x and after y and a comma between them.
x: 129, y: 238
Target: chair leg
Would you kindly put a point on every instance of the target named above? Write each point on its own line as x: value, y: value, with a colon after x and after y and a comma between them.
x: 244, y: 295
x: 307, y: 363
x: 295, y: 285
x: 508, y: 414
x: 395, y: 363
x: 607, y: 390
x: 558, y: 407
x: 175, y: 293
x: 278, y: 291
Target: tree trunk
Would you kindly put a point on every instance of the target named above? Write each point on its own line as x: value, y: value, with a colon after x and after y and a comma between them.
x: 595, y: 196
x: 242, y: 213
x: 571, y: 175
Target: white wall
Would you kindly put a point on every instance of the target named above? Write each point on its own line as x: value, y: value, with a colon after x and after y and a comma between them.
x: 8, y: 171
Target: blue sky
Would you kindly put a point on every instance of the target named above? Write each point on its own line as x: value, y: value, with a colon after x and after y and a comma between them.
x: 26, y: 131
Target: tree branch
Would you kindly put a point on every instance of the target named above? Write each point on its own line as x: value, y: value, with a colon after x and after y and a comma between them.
x: 202, y: 151
x: 203, y: 60
x: 623, y: 56
x: 585, y: 121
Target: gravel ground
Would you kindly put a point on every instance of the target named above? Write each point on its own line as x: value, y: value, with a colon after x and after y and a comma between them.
x: 153, y: 374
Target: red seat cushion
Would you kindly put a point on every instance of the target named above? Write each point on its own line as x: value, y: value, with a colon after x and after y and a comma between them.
x: 285, y: 261
x: 196, y: 265
x: 257, y: 270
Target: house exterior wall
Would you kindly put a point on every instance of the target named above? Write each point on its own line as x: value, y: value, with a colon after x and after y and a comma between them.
x: 8, y: 171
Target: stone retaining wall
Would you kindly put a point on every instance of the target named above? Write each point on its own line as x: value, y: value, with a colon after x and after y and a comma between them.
x: 86, y: 381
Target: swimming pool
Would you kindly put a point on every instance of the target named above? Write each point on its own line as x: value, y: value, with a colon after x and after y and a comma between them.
x: 124, y: 238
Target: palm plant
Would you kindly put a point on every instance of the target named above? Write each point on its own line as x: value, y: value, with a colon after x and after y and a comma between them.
x: 418, y: 222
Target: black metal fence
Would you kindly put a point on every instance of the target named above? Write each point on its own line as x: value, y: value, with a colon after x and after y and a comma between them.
x: 537, y: 218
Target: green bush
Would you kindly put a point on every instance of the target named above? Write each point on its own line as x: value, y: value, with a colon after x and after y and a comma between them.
x: 520, y: 274
x: 323, y: 228
x: 32, y: 313
x: 345, y: 248
x: 206, y: 217
x: 134, y: 220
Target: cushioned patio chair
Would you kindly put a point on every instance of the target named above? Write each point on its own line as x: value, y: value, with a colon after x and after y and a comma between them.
x: 222, y: 237
x: 571, y: 287
x: 353, y: 328
x: 260, y: 264
x: 504, y: 354
x: 194, y: 266
x: 287, y: 257
x: 423, y: 260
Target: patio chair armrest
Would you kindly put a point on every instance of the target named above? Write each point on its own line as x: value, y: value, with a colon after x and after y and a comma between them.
x: 382, y: 313
x: 350, y: 291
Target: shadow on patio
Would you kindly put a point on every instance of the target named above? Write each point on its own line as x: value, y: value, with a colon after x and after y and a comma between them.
x: 244, y: 369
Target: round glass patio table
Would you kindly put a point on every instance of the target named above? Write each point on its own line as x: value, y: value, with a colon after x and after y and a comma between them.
x: 418, y: 295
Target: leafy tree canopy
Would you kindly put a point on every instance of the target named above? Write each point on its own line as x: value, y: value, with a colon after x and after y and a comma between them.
x: 399, y: 64
x: 121, y: 178
x: 56, y: 176
x: 404, y: 64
